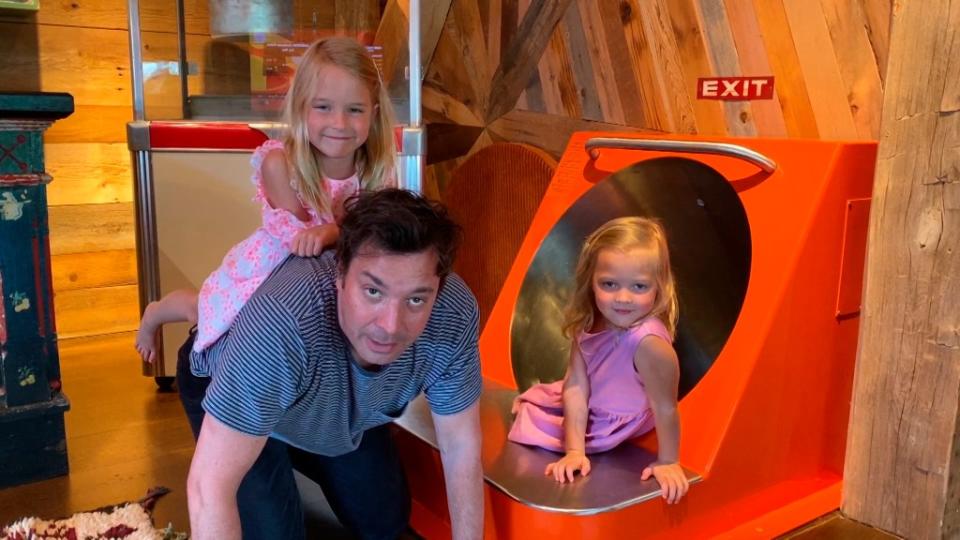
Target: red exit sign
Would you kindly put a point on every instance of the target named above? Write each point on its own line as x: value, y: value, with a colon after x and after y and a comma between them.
x: 735, y: 88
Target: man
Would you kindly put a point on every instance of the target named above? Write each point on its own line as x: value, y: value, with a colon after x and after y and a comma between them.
x: 324, y: 355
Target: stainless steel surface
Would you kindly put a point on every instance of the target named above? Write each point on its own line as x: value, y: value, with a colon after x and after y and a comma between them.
x: 146, y: 239
x: 412, y: 153
x: 709, y: 240
x: 136, y: 58
x: 184, y: 66
x: 203, y: 207
x: 273, y: 130
x: 594, y: 145
x: 138, y: 136
x: 233, y: 17
x: 414, y: 149
x: 517, y: 470
x: 413, y: 45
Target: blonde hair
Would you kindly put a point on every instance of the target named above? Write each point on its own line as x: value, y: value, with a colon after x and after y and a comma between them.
x: 375, y: 160
x: 622, y: 234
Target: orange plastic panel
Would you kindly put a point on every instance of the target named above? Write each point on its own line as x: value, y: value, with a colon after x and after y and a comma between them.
x: 766, y: 426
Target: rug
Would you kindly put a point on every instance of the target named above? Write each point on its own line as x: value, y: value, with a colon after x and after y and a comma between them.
x: 126, y: 521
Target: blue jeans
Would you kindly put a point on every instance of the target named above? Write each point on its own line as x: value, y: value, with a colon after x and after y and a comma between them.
x: 366, y: 488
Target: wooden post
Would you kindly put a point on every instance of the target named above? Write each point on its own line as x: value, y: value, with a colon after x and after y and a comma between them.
x: 902, y: 470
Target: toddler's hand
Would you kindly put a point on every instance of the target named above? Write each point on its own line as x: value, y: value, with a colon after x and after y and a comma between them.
x: 564, y: 469
x: 310, y: 242
x: 673, y: 482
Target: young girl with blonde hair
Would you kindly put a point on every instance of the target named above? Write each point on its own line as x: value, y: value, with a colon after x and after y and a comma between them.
x: 623, y: 373
x: 339, y: 140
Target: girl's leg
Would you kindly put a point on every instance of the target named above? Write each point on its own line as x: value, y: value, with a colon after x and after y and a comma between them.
x: 178, y: 306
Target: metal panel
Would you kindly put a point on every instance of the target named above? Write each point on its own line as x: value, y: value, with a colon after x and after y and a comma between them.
x: 204, y: 207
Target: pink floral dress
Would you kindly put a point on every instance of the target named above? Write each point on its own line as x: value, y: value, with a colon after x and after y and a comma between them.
x: 248, y: 263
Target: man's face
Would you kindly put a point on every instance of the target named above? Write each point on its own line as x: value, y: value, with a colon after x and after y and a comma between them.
x: 385, y: 302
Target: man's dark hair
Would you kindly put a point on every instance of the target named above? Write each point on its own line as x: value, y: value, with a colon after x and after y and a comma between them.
x: 400, y: 222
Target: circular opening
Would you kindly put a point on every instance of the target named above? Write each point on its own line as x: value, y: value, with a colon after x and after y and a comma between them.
x: 709, y: 239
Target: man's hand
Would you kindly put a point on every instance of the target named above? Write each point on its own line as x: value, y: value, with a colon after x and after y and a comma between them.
x: 564, y: 469
x: 673, y: 483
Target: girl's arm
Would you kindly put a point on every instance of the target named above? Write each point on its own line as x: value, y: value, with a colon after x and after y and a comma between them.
x: 576, y: 395
x: 276, y: 185
x: 656, y: 363
x: 309, y: 241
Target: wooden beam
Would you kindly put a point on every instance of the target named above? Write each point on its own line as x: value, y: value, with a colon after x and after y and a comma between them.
x: 392, y: 36
x: 523, y: 54
x: 902, y: 470
x: 449, y: 141
x: 548, y: 132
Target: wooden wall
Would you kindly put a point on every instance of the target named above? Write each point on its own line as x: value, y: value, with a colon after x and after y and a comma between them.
x: 81, y: 47
x: 495, y: 70
x: 534, y: 70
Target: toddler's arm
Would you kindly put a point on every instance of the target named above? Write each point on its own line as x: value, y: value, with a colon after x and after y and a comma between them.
x: 576, y: 394
x: 657, y: 365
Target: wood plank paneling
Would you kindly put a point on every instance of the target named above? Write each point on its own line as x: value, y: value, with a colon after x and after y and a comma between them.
x: 546, y: 131
x: 104, y: 310
x: 661, y: 58
x: 467, y: 37
x: 91, y: 227
x: 392, y: 36
x: 818, y: 62
x: 92, y: 123
x: 858, y: 69
x: 691, y: 50
x: 356, y: 17
x: 557, y: 83
x: 522, y: 55
x: 582, y: 67
x: 90, y: 63
x: 634, y: 98
x: 155, y: 15
x: 877, y: 16
x: 88, y: 173
x: 798, y: 113
x: 606, y: 85
x: 752, y: 51
x: 439, y: 106
x: 726, y: 63
x: 455, y: 76
x: 94, y: 269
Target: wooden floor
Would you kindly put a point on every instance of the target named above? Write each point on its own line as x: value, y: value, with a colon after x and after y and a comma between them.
x: 124, y: 437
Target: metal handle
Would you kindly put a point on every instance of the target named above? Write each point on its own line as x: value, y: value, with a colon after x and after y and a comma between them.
x: 594, y: 145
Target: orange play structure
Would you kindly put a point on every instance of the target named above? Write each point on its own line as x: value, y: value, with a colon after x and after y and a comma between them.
x: 766, y: 426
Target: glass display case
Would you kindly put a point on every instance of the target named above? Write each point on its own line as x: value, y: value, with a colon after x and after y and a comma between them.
x: 233, y: 61
x: 209, y: 80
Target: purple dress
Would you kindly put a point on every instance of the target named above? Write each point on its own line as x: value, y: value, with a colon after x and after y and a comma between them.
x: 618, y: 404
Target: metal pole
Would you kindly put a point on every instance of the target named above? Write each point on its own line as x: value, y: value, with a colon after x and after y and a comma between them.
x: 136, y: 58
x: 413, y: 146
x: 416, y: 115
x: 182, y: 60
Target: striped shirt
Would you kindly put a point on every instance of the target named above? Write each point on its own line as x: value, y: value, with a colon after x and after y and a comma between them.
x: 285, y: 369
